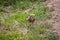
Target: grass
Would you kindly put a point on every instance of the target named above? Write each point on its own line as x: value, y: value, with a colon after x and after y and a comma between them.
x: 11, y: 36
x: 17, y: 4
x: 15, y: 25
x: 34, y: 33
x: 41, y: 12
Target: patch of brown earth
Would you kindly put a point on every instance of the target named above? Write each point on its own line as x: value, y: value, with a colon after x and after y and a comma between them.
x: 55, y: 20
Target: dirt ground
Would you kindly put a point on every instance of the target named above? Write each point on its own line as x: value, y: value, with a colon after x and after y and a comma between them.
x: 55, y: 20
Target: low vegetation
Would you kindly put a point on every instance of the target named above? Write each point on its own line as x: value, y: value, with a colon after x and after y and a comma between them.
x: 14, y: 25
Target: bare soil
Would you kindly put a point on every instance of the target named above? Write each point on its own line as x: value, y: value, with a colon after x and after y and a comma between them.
x: 55, y: 20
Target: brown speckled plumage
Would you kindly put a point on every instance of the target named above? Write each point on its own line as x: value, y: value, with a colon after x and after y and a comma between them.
x: 31, y: 18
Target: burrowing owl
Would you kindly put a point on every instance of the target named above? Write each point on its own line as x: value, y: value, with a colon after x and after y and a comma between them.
x: 31, y: 18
